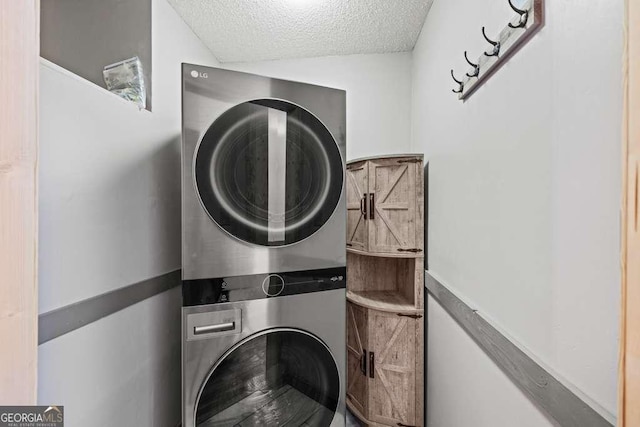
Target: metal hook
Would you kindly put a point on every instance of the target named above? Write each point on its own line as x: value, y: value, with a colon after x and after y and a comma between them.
x: 454, y: 78
x: 488, y: 39
x: 496, y: 45
x: 476, y: 67
x: 460, y: 84
x: 518, y: 11
x: 524, y: 16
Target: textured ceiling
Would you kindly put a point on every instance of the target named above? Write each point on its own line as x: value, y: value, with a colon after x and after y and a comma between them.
x: 254, y: 30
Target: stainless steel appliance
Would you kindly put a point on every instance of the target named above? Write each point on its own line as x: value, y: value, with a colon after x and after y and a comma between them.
x: 262, y: 175
x: 265, y: 350
x: 263, y: 251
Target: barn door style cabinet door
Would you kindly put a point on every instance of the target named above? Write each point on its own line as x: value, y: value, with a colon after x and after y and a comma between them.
x: 357, y: 187
x: 392, y: 368
x: 357, y: 357
x: 385, y: 280
x: 383, y: 209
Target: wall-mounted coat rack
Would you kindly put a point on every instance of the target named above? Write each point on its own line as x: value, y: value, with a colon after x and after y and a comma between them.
x: 528, y: 20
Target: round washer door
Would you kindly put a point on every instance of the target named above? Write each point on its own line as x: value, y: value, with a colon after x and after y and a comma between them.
x: 277, y: 377
x: 269, y: 172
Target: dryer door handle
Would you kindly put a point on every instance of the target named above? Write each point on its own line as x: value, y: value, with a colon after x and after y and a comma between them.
x: 220, y: 327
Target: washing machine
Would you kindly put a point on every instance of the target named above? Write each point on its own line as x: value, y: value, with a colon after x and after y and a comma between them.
x: 263, y: 175
x: 263, y: 251
x: 265, y: 350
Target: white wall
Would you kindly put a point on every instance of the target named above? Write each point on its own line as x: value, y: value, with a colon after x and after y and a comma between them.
x: 110, y: 217
x: 378, y: 95
x: 471, y: 389
x: 524, y: 197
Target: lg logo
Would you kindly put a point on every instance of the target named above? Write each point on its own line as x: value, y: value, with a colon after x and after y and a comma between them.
x: 195, y: 75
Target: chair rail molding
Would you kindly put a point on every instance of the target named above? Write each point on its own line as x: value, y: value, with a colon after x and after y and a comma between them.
x: 555, y: 398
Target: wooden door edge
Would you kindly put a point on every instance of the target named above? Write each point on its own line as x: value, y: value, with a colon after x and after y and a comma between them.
x: 623, y: 214
x: 19, y: 71
x: 628, y: 376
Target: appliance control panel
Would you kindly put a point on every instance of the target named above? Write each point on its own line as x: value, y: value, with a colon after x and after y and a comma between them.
x: 258, y: 286
x: 273, y: 285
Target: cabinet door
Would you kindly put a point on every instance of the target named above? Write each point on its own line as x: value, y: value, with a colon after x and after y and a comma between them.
x: 357, y: 391
x: 357, y: 186
x: 392, y: 224
x: 392, y: 361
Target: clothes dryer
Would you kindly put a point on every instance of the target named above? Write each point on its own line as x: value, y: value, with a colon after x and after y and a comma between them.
x: 262, y: 175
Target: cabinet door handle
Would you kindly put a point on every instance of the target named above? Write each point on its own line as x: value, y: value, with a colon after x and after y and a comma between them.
x: 404, y: 425
x: 414, y: 250
x: 372, y: 364
x: 363, y: 363
x: 372, y: 206
x: 413, y: 316
x: 363, y: 209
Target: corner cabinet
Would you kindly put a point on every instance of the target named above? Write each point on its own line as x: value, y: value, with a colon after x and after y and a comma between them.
x: 384, y: 205
x: 385, y: 275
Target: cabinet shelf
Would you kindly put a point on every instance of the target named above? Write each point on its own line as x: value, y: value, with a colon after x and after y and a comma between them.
x: 388, y: 301
x: 386, y: 255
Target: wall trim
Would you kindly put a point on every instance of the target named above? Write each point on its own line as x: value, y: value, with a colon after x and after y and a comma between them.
x: 553, y: 397
x: 65, y: 319
x: 79, y: 79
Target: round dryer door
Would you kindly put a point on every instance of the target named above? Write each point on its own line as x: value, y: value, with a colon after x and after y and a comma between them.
x: 269, y: 172
x: 278, y: 377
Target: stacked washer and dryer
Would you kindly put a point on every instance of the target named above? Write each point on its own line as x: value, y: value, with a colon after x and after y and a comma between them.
x: 263, y: 251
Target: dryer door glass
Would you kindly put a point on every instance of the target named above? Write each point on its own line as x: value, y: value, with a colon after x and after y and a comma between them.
x: 282, y: 377
x: 269, y: 172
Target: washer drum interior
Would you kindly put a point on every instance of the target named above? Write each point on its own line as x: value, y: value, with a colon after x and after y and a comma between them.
x: 278, y: 377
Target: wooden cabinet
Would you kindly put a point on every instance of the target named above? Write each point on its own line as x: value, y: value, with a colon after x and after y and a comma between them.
x: 385, y: 279
x: 384, y: 205
x: 385, y: 362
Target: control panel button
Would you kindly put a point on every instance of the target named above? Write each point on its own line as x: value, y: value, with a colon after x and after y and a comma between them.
x: 273, y: 285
